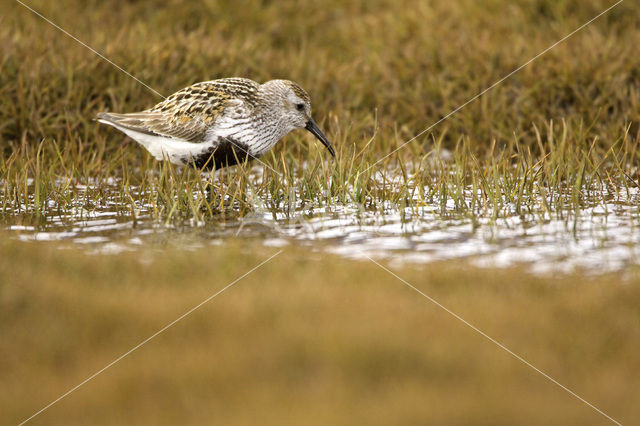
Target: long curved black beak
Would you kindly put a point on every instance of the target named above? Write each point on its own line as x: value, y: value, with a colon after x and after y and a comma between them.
x: 313, y: 128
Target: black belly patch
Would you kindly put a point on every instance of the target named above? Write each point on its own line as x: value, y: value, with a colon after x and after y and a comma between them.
x: 228, y: 152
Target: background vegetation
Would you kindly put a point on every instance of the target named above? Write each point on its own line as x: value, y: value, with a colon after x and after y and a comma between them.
x: 412, y: 62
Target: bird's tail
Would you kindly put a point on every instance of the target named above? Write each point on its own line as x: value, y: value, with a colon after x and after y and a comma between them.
x: 133, y: 121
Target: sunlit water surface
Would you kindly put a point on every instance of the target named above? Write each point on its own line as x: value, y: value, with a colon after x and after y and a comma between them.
x: 601, y: 236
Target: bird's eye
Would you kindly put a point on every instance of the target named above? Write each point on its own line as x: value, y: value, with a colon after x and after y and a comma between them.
x: 300, y: 107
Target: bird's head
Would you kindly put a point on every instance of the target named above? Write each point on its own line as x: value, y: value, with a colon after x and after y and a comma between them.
x: 293, y: 105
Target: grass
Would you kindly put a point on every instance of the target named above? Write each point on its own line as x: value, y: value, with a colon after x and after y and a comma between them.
x: 302, y: 341
x: 43, y: 180
x: 508, y: 180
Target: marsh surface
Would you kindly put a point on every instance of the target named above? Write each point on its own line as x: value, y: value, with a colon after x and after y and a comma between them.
x: 601, y: 235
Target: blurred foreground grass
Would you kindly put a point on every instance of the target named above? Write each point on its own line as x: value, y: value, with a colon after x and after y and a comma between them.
x: 307, y: 339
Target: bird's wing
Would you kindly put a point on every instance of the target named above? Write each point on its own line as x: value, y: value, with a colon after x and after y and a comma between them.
x: 158, y: 124
x: 189, y: 113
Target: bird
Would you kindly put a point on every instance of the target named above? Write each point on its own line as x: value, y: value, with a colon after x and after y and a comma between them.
x: 220, y: 123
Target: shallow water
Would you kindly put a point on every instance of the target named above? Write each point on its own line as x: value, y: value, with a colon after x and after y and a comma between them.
x: 602, y: 236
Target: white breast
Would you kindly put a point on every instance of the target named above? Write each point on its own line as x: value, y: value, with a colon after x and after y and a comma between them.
x: 258, y: 133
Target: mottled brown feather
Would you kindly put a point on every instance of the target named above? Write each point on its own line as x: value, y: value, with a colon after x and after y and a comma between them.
x: 190, y: 112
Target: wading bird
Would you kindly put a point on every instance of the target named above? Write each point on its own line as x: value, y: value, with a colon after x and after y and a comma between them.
x: 219, y: 123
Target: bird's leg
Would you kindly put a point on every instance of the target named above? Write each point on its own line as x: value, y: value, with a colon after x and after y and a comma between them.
x: 215, y: 192
x: 209, y: 191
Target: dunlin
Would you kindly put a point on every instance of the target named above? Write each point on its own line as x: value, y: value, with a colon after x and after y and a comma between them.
x: 219, y: 123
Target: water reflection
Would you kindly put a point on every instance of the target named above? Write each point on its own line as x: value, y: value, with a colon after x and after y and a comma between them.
x: 601, y: 236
